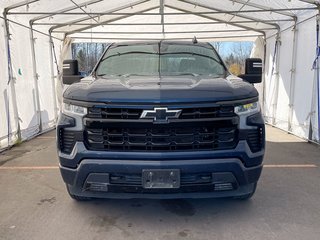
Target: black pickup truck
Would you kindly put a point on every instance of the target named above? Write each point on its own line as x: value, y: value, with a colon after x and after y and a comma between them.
x: 161, y: 119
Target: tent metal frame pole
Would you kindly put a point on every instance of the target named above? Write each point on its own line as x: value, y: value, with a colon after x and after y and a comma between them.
x: 155, y: 14
x: 317, y: 4
x: 19, y: 4
x: 65, y: 10
x: 157, y: 39
x: 317, y: 84
x: 219, y: 20
x: 11, y: 81
x: 35, y: 76
x: 162, y: 15
x: 264, y: 78
x: 24, y: 26
x: 102, y: 23
x: 236, y: 14
x: 176, y: 32
x: 84, y: 11
x: 53, y: 84
x: 255, y: 5
x: 277, y: 83
x: 36, y: 87
x: 56, y: 26
x: 292, y: 76
x: 288, y: 28
x: 311, y: 2
x: 147, y: 24
x: 243, y: 6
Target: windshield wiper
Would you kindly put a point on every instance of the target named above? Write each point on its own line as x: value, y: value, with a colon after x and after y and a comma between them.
x: 191, y: 53
x: 108, y: 75
x: 126, y: 53
x: 121, y: 75
x: 132, y: 74
x: 185, y: 74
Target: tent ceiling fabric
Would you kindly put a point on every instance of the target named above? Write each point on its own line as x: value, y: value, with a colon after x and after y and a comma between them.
x: 143, y: 19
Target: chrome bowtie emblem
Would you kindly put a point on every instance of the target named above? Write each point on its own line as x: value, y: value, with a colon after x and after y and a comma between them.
x: 160, y: 115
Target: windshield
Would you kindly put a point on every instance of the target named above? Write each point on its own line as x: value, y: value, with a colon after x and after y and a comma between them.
x: 160, y: 59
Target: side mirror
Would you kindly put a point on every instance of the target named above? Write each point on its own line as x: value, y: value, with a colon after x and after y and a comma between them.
x: 253, y: 72
x: 70, y: 73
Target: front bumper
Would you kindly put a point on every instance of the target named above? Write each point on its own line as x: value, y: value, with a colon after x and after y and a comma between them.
x: 223, y: 171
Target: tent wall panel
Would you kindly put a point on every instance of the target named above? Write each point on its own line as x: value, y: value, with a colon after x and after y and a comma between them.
x: 3, y: 91
x: 8, y: 126
x: 304, y: 79
x: 25, y: 87
x: 43, y: 65
x: 302, y: 82
x: 282, y: 108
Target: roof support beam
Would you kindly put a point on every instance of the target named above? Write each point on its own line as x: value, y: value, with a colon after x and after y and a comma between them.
x: 84, y: 11
x: 104, y: 23
x: 233, y: 14
x: 230, y: 23
x: 65, y: 10
x: 167, y: 23
x: 244, y: 4
x: 19, y: 4
x: 314, y: 2
x: 14, y: 6
x: 162, y: 14
x: 177, y: 32
x: 87, y: 18
x: 155, y: 14
x: 158, y: 39
x: 261, y: 7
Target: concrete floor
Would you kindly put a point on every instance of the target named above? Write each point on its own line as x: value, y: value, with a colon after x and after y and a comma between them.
x: 34, y: 203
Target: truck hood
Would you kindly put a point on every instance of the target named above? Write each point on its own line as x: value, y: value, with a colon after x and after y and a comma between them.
x: 146, y: 89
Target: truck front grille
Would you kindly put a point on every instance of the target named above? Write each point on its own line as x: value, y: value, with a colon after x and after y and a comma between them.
x: 197, y: 128
x: 150, y: 137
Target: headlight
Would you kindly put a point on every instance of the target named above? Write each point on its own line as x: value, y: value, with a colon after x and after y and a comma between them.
x: 247, y: 108
x: 73, y: 109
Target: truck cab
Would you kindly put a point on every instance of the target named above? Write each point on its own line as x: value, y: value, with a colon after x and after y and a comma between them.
x: 161, y: 119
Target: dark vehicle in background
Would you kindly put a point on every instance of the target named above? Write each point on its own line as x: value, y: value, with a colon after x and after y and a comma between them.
x: 161, y: 120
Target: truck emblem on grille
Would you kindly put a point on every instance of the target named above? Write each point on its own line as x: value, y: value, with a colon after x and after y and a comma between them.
x: 160, y: 115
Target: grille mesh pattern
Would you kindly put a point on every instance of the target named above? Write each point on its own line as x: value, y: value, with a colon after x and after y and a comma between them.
x: 161, y: 138
x: 198, y: 128
x: 136, y: 179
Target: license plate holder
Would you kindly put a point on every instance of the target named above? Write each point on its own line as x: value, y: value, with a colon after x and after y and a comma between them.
x: 160, y: 178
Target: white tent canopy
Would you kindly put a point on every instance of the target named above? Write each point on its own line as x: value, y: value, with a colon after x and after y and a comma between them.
x: 35, y: 36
